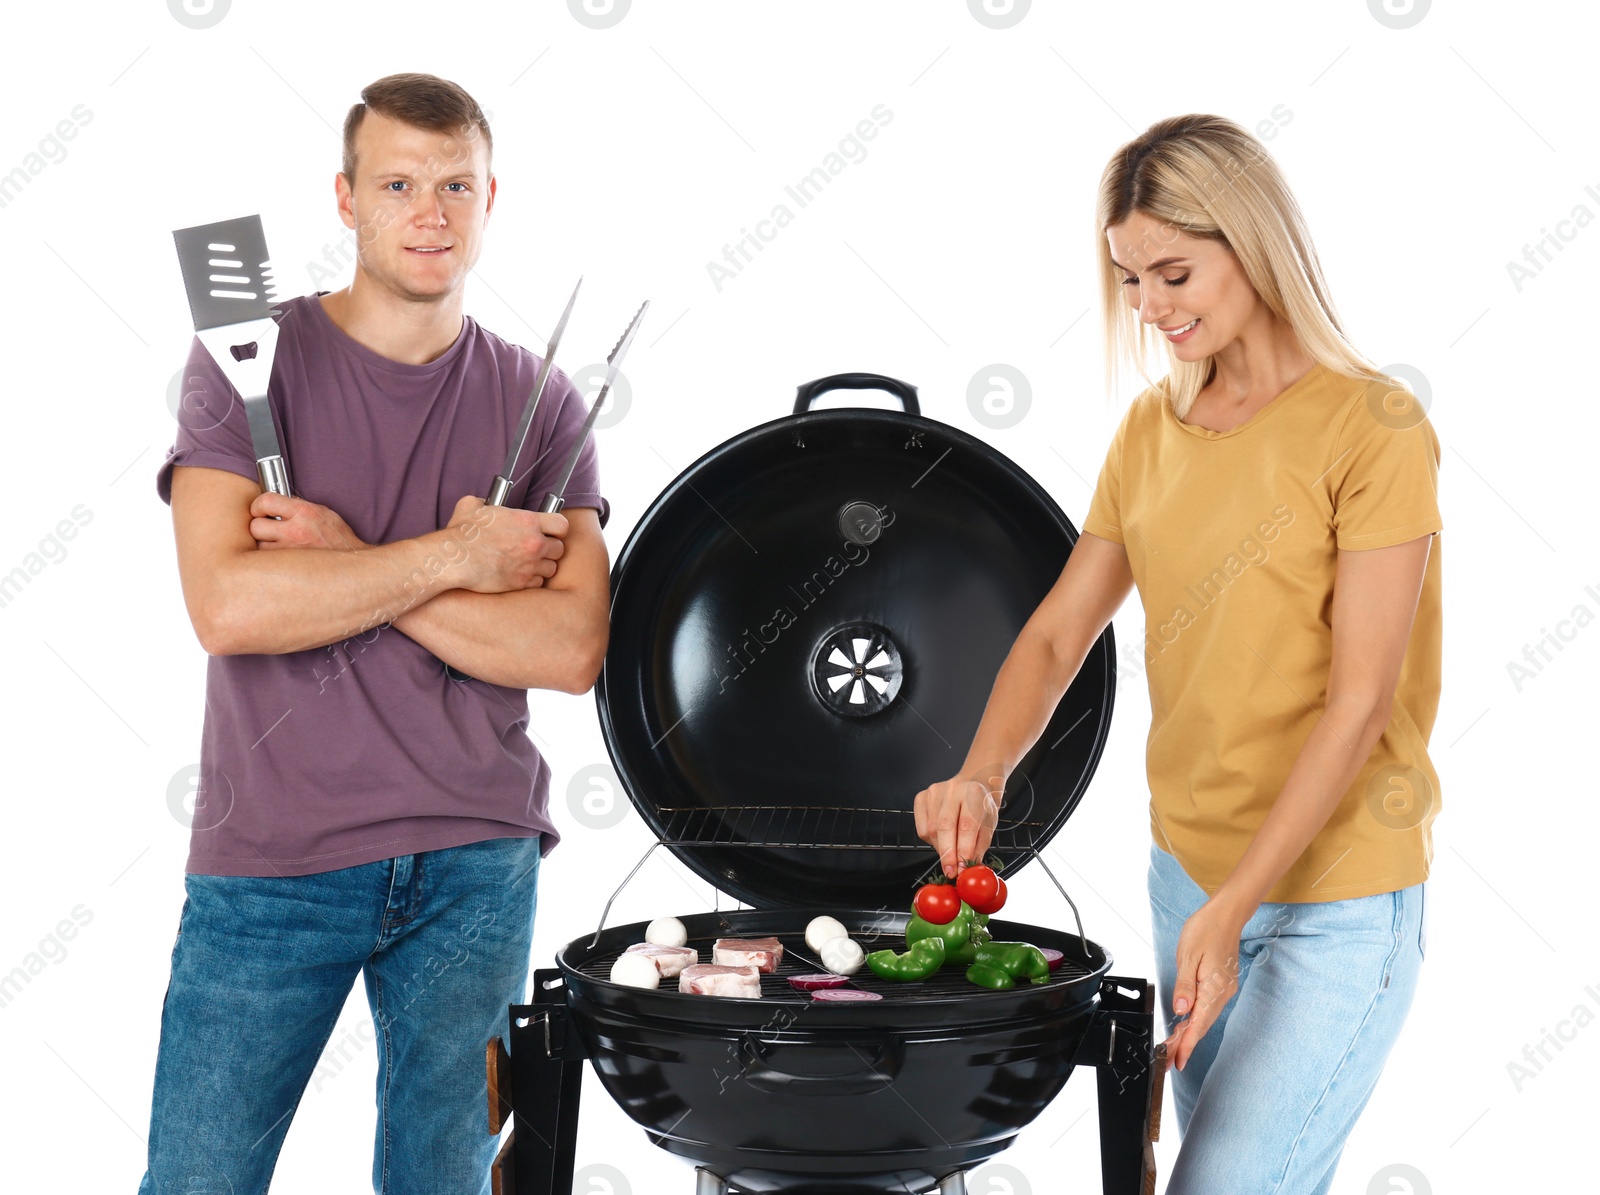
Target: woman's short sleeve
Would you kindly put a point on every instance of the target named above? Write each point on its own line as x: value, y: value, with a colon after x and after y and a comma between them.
x: 1105, y: 508
x: 1385, y: 476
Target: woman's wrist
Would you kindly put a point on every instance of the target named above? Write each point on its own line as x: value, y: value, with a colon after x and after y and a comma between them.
x: 1234, y: 904
x: 992, y: 776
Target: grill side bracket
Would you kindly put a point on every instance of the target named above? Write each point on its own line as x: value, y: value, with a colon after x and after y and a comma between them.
x: 1129, y: 1074
x: 547, y: 1055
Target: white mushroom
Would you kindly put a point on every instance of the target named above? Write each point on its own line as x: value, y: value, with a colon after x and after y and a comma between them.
x: 666, y: 931
x: 822, y: 930
x: 843, y: 956
x: 635, y: 971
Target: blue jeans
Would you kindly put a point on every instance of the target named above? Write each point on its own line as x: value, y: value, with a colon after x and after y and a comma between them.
x: 1270, y: 1094
x: 260, y: 972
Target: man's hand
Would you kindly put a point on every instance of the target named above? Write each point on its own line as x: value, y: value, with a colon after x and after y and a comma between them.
x: 280, y: 522
x: 506, y: 548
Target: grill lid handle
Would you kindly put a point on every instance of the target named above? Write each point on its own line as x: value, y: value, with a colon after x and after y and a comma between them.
x: 808, y: 392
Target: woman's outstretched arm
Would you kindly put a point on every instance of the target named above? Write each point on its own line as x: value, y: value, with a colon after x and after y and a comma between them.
x: 958, y: 816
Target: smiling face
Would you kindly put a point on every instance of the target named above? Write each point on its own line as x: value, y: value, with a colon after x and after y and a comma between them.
x: 1174, y: 279
x: 419, y: 204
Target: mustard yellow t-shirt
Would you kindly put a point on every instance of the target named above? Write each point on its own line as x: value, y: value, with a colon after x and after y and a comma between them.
x: 1233, y: 540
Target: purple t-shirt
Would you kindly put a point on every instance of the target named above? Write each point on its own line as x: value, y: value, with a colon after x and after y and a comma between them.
x: 366, y: 749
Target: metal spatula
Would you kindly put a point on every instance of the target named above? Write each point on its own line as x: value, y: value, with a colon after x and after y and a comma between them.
x: 227, y: 275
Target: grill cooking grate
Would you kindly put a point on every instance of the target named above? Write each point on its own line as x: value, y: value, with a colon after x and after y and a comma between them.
x: 798, y: 960
x: 828, y: 827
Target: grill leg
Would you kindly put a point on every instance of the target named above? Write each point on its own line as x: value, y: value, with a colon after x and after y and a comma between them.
x: 1119, y: 1046
x: 546, y: 1083
x: 707, y: 1183
x: 955, y: 1184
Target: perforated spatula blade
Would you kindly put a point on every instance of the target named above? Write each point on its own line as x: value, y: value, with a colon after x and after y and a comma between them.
x: 227, y: 275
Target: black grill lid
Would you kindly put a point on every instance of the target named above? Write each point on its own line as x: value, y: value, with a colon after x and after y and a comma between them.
x: 805, y: 626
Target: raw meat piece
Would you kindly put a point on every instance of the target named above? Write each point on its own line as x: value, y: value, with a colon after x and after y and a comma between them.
x: 705, y: 979
x: 764, y: 954
x: 669, y: 960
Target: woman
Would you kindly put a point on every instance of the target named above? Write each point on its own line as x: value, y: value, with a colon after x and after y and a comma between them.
x: 1274, y: 500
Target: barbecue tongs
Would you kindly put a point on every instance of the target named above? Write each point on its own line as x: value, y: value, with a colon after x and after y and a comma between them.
x: 556, y: 499
x: 227, y: 275
x: 504, y: 480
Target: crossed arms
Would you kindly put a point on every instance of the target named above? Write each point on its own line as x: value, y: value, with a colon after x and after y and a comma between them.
x: 484, y: 593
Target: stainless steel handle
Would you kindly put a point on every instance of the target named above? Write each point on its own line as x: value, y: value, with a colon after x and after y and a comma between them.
x: 274, y: 474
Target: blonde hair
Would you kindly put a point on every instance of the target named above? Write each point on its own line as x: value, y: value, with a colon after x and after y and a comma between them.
x: 1212, y: 179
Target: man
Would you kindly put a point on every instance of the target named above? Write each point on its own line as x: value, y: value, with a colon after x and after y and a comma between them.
x: 361, y: 811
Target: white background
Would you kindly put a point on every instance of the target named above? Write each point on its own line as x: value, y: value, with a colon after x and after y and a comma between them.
x: 1425, y: 159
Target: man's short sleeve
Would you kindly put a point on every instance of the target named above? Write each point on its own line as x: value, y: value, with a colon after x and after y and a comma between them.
x: 1105, y: 508
x: 1385, y: 479
x: 213, y: 431
x: 583, y: 488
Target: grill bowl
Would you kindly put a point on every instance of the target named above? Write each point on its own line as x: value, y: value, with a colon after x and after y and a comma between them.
x: 787, y: 1093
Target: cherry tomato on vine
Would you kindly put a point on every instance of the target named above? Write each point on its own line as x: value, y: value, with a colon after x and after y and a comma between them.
x: 938, y: 904
x: 982, y: 889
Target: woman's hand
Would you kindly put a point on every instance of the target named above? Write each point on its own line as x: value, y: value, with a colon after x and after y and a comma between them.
x: 957, y: 818
x: 1208, y: 975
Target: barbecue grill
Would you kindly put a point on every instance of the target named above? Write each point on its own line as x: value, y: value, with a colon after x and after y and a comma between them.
x: 805, y: 628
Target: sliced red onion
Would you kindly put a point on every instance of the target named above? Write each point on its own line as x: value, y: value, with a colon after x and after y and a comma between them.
x: 845, y: 995
x: 817, y: 982
x: 1053, y: 957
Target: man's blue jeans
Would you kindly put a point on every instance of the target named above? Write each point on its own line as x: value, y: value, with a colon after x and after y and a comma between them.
x: 1270, y: 1094
x: 260, y: 972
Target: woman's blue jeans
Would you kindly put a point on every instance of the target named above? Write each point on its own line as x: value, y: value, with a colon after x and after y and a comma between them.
x: 260, y: 972
x: 1270, y: 1094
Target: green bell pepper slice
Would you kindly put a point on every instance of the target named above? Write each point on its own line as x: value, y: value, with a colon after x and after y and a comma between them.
x: 1019, y: 960
x: 962, y: 936
x: 924, y: 958
x: 989, y: 977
